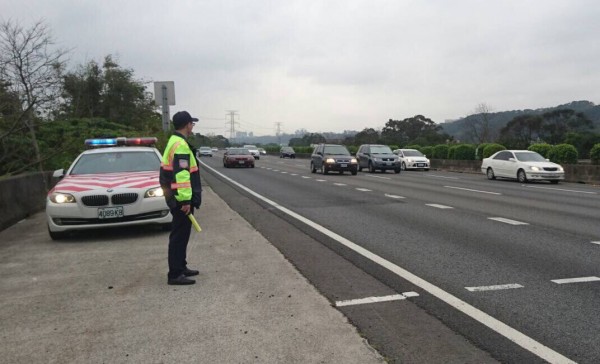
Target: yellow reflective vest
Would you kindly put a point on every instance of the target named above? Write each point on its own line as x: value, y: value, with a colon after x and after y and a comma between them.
x: 179, y: 174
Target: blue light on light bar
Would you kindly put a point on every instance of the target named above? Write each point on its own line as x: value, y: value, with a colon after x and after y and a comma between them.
x: 99, y: 142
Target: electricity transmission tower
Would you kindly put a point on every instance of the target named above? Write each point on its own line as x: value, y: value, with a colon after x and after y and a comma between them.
x: 278, y: 132
x: 232, y: 123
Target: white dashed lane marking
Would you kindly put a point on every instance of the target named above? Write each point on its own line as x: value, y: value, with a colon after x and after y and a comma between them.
x: 363, y: 189
x: 494, y: 288
x: 576, y: 280
x: 508, y: 221
x: 340, y: 184
x: 439, y: 206
x: 595, y: 242
x: 321, y: 180
x: 393, y: 196
x: 362, y: 301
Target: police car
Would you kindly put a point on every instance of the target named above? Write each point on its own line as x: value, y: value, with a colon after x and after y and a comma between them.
x: 113, y: 184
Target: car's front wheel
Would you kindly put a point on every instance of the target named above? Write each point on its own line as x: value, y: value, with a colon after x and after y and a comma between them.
x: 371, y: 169
x: 490, y: 173
x: 324, y: 169
x: 354, y: 172
x: 521, y: 176
x: 397, y: 170
x: 403, y: 166
x: 312, y: 168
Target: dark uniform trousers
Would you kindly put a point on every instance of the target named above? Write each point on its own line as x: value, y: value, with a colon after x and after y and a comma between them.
x: 178, y: 242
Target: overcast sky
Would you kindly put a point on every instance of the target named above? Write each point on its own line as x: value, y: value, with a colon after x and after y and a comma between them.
x: 336, y: 65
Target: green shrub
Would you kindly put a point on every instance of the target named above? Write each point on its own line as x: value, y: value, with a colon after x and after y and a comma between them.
x: 463, y: 152
x: 440, y: 151
x: 393, y: 147
x: 352, y: 149
x: 479, y: 151
x: 563, y: 153
x: 541, y: 148
x: 595, y: 154
x: 414, y: 146
x: 428, y: 151
x: 491, y: 149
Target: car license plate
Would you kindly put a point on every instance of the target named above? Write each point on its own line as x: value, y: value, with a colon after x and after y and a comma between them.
x: 389, y: 163
x: 343, y: 165
x: 420, y: 165
x: 241, y: 162
x: 110, y: 212
x: 552, y: 176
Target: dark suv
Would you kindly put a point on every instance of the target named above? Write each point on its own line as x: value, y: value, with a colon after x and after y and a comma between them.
x: 332, y: 157
x: 287, y: 152
x: 377, y: 156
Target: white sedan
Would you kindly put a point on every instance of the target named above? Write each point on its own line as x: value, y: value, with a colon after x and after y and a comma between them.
x: 523, y: 165
x: 412, y: 159
x: 107, y: 187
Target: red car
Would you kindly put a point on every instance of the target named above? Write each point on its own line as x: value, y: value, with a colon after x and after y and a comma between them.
x: 238, y: 157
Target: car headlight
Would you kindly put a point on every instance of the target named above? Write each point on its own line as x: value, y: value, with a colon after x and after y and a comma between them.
x: 353, y: 160
x: 330, y: 160
x: 60, y: 198
x: 535, y: 169
x: 154, y: 192
x: 409, y: 160
x: 376, y: 159
x: 560, y: 169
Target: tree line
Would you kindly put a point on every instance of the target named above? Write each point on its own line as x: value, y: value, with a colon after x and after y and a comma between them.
x: 47, y: 111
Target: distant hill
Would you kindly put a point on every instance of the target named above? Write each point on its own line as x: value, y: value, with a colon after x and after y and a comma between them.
x: 459, y: 130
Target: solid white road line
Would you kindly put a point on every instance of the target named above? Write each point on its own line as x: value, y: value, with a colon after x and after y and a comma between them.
x: 494, y: 288
x: 362, y: 301
x: 496, y: 325
x: 576, y: 280
x: 468, y: 189
x: 363, y: 189
x: 436, y: 176
x: 507, y: 221
x: 368, y: 175
x: 393, y: 196
x: 562, y: 189
x: 439, y: 206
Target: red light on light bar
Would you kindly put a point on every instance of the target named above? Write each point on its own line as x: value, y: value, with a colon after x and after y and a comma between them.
x: 141, y: 141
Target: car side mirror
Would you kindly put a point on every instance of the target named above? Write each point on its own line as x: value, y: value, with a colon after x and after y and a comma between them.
x: 511, y: 160
x: 547, y: 160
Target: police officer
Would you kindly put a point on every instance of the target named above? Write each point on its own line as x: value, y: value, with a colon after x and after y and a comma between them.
x: 180, y: 181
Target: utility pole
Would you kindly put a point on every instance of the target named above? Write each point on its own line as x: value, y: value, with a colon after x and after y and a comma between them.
x: 232, y: 122
x: 278, y: 132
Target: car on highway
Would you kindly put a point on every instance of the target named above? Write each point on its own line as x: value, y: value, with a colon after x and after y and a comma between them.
x: 205, y: 152
x: 262, y: 151
x: 522, y: 165
x: 377, y: 157
x: 214, y: 149
x: 253, y: 150
x: 238, y: 157
x: 114, y: 184
x: 412, y: 159
x: 332, y: 157
x: 287, y: 152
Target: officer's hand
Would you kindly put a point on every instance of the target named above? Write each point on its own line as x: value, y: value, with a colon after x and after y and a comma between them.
x: 185, y: 209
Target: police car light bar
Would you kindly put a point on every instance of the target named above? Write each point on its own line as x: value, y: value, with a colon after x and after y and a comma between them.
x: 106, y: 142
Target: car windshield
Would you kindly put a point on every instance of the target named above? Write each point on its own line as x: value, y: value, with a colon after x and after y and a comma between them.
x: 529, y: 157
x: 336, y: 150
x: 250, y: 146
x: 287, y: 149
x: 412, y: 153
x: 380, y: 149
x: 238, y: 151
x: 206, y: 148
x: 113, y: 162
